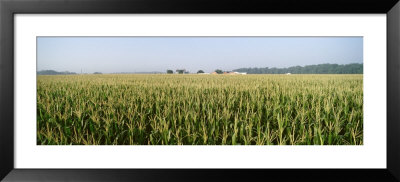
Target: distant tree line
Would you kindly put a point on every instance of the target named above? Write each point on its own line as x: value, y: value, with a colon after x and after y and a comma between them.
x: 354, y: 68
x: 179, y: 71
x: 52, y: 72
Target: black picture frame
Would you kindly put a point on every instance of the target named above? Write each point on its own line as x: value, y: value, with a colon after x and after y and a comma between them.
x: 8, y: 8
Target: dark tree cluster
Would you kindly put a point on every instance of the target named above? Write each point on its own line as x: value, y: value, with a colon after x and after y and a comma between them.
x: 219, y: 71
x: 354, y: 68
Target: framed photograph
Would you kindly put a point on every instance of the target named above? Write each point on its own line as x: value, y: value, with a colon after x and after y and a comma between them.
x: 130, y: 90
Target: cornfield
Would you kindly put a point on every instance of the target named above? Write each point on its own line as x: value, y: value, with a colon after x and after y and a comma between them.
x: 161, y: 109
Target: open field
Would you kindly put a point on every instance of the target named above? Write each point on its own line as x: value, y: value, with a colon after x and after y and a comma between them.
x: 200, y: 110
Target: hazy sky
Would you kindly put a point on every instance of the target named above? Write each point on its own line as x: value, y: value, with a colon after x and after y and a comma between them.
x: 146, y: 54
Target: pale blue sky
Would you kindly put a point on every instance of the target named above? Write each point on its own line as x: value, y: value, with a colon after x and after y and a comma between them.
x: 146, y: 54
